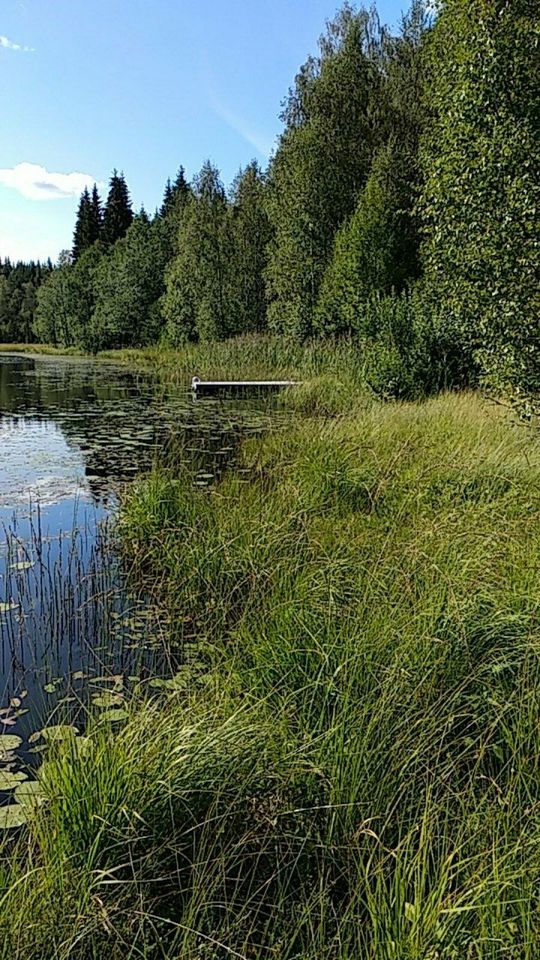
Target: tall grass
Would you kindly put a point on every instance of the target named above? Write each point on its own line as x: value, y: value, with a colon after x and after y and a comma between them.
x: 253, y: 356
x: 348, y: 768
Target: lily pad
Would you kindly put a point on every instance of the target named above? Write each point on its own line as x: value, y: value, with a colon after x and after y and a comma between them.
x: 12, y: 815
x: 29, y: 794
x: 113, y: 716
x: 22, y: 565
x: 8, y: 742
x: 9, y: 780
x: 107, y: 699
x: 116, y: 678
x: 55, y: 733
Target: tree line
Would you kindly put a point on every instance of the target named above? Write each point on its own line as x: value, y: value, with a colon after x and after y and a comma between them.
x: 19, y: 284
x: 400, y: 207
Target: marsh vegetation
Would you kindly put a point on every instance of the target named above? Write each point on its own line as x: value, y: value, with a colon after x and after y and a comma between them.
x: 345, y: 761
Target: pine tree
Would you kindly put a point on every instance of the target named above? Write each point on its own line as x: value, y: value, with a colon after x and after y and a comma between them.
x: 376, y: 251
x: 118, y: 215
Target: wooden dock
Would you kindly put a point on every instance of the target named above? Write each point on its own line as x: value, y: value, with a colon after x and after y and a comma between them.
x: 237, y: 388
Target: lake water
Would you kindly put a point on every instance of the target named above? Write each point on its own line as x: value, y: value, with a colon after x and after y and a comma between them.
x: 73, y: 631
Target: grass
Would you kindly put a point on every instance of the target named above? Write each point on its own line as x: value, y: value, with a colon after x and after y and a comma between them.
x: 347, y: 767
x: 39, y: 348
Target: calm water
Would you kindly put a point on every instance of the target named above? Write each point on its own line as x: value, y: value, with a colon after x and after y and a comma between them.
x: 72, y: 433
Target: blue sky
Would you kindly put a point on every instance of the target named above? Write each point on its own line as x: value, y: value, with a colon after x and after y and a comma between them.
x: 141, y: 85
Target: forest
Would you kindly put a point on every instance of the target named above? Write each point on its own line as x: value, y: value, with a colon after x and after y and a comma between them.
x: 400, y: 208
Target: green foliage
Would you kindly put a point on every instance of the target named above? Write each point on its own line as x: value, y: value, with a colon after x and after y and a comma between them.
x: 65, y: 307
x: 118, y: 215
x: 89, y: 223
x: 129, y: 283
x: 196, y: 303
x: 402, y: 196
x: 250, y: 235
x: 321, y: 165
x: 174, y: 201
x: 482, y: 195
x: 19, y: 285
x: 375, y: 251
x: 350, y: 767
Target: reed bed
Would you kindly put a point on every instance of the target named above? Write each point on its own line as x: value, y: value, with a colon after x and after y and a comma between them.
x: 347, y: 765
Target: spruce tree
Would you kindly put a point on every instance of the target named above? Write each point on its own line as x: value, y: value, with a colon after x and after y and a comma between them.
x: 118, y: 215
x: 174, y: 194
x: 82, y: 236
x: 97, y: 214
x: 167, y: 199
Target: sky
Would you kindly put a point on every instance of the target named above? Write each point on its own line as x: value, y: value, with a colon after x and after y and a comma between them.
x: 143, y: 86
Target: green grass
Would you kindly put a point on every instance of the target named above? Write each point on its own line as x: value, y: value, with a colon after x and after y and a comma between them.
x: 39, y: 348
x: 348, y: 767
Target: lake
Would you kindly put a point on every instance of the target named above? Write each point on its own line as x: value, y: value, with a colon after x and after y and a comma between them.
x: 74, y: 632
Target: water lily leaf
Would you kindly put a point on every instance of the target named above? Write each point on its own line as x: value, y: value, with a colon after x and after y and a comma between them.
x: 107, y: 699
x: 6, y: 607
x: 15, y: 702
x: 49, y: 687
x: 8, y: 742
x: 117, y: 679
x: 59, y: 731
x: 30, y: 793
x: 22, y: 565
x: 112, y: 716
x: 13, y: 815
x: 78, y: 675
x: 9, y: 780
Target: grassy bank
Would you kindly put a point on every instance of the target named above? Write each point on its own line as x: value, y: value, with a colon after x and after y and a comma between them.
x: 39, y: 348
x: 347, y: 767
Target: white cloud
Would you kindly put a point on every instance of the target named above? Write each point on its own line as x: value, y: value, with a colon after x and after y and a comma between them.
x: 37, y: 183
x: 9, y: 45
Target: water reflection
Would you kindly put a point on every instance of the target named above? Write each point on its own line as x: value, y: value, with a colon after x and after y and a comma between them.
x: 77, y: 426
x: 71, y: 432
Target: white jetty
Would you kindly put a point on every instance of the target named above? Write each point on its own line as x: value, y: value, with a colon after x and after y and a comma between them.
x: 213, y: 388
